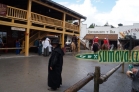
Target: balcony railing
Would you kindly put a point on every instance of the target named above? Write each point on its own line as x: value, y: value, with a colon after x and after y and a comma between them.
x: 17, y: 13
x: 47, y: 20
x: 72, y: 26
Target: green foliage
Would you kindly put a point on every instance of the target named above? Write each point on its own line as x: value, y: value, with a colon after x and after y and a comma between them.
x: 92, y: 25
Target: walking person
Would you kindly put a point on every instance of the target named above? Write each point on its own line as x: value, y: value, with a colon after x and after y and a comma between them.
x: 1, y: 44
x: 133, y: 74
x: 55, y: 66
x: 40, y: 47
x: 17, y: 46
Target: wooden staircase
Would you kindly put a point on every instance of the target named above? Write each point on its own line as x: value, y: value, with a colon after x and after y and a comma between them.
x: 83, y: 44
x: 35, y: 36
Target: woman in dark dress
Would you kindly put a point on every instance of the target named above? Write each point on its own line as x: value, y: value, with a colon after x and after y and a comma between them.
x: 55, y: 66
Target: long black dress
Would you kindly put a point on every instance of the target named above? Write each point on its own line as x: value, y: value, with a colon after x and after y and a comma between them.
x: 56, y: 62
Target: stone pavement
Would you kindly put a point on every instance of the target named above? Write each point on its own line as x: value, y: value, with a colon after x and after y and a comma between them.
x: 29, y: 74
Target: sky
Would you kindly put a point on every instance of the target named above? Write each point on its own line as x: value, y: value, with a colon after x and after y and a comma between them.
x: 102, y: 11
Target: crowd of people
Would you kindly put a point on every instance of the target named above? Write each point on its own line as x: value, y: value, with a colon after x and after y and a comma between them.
x: 44, y: 46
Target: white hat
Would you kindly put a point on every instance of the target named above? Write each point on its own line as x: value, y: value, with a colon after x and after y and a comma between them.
x: 96, y: 37
x: 104, y: 38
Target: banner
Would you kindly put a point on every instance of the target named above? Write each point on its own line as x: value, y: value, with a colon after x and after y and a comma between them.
x: 3, y: 9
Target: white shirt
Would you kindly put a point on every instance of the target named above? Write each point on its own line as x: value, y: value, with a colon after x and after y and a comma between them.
x: 46, y: 43
x: 50, y: 48
x: 68, y: 43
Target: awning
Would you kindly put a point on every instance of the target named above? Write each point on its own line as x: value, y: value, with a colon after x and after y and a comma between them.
x: 101, y: 36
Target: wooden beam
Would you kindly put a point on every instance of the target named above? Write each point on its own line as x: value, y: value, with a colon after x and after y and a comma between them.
x: 45, y: 29
x: 44, y: 4
x: 12, y: 24
x: 28, y: 28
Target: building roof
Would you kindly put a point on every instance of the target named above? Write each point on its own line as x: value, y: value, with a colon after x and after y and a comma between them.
x: 101, y: 36
x: 63, y: 8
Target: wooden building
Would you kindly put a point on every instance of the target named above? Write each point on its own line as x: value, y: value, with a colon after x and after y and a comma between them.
x: 34, y: 19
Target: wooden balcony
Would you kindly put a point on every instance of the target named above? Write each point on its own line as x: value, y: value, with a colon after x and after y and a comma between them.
x: 20, y: 14
x: 16, y: 13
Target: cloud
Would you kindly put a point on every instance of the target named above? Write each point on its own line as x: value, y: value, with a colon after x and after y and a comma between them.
x: 78, y: 1
x: 97, y: 1
x: 124, y: 11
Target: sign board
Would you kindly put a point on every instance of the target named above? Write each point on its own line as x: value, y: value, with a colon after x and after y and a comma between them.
x: 112, y: 56
x: 88, y: 56
x: 18, y: 29
x: 102, y: 32
x: 3, y: 9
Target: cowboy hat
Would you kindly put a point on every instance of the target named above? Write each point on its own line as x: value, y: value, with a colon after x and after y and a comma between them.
x: 55, y: 41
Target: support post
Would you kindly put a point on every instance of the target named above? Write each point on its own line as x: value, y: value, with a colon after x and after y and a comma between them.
x: 96, y: 79
x: 63, y: 34
x: 79, y: 36
x: 28, y: 28
x: 123, y: 68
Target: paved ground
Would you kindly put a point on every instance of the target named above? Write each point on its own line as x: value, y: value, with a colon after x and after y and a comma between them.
x: 29, y: 74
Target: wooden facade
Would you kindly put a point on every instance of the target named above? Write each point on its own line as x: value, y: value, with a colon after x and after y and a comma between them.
x: 41, y: 18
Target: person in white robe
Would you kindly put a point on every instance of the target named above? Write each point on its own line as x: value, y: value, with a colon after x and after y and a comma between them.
x: 43, y: 46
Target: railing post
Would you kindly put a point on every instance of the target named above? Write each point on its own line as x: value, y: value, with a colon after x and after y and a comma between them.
x: 123, y: 68
x: 96, y: 79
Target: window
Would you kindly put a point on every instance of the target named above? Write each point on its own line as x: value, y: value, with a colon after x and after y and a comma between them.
x: 3, y: 35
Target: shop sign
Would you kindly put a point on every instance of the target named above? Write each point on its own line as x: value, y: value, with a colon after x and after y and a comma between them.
x: 18, y: 29
x: 102, y: 32
x: 3, y: 9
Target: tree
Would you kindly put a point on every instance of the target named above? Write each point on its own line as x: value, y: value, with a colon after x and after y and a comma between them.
x: 92, y: 25
x: 106, y: 24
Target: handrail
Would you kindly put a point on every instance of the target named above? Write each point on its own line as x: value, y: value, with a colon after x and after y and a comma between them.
x: 71, y: 26
x: 98, y: 79
x: 103, y: 78
x: 81, y: 83
x: 46, y: 19
x: 16, y: 13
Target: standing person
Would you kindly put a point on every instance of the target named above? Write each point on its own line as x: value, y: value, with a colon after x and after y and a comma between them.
x: 17, y: 46
x: 46, y: 47
x: 36, y: 45
x: 40, y: 47
x: 133, y: 74
x: 43, y: 46
x: 55, y: 66
x: 1, y: 44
